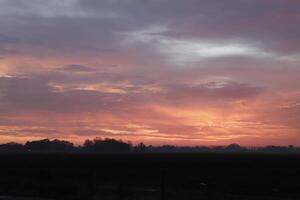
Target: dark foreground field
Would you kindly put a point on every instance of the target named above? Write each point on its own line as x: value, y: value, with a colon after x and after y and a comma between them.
x: 138, y: 176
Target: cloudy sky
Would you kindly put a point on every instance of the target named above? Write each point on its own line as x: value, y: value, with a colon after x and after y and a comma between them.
x: 183, y: 72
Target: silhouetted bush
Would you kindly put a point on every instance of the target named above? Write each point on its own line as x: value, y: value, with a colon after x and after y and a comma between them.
x: 110, y: 145
x: 107, y: 145
x: 47, y: 145
x: 235, y: 148
x: 12, y: 147
x: 140, y: 148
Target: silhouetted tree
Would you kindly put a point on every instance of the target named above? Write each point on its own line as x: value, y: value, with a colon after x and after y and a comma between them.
x: 88, y: 143
x: 107, y: 145
x: 235, y: 148
x: 140, y: 148
x: 218, y: 149
x: 12, y: 147
x: 47, y: 145
x: 275, y: 149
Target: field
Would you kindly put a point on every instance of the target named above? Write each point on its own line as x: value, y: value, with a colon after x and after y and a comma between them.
x: 150, y: 176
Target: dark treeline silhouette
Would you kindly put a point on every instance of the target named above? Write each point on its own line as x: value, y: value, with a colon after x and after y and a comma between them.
x: 47, y: 145
x: 109, y: 145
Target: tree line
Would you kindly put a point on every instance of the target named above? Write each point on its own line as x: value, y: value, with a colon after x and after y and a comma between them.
x: 110, y: 145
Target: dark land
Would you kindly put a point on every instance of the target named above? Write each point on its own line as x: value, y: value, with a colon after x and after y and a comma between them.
x: 113, y: 169
x: 150, y: 176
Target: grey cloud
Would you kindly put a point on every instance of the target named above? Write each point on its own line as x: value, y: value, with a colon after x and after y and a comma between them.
x: 5, y: 39
x: 269, y: 24
x: 211, y: 92
x: 35, y: 93
x: 77, y: 68
x: 6, y: 52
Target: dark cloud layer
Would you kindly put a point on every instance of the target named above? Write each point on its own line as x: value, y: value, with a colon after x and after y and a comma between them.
x: 76, y: 68
x: 102, y: 25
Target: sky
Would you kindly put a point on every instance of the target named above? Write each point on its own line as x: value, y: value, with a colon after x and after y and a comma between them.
x: 181, y: 72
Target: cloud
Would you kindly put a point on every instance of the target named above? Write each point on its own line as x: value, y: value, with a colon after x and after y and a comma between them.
x: 77, y: 68
x: 185, y: 34
x: 181, y: 51
x: 196, y: 70
x: 5, y: 39
x: 51, y: 9
x: 37, y: 93
x: 211, y: 92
